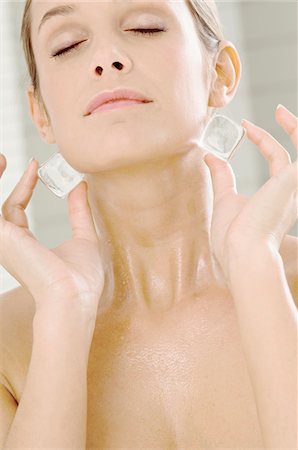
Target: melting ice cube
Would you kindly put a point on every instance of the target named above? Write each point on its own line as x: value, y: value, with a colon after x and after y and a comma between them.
x: 59, y: 176
x: 222, y: 136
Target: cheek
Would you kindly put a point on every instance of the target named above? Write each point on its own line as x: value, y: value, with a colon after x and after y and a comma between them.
x: 60, y: 92
x: 183, y: 79
x: 184, y: 99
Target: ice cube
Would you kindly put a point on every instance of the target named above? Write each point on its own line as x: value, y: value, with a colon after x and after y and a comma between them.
x: 59, y: 176
x: 222, y: 136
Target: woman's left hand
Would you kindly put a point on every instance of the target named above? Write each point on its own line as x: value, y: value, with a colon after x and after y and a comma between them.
x: 239, y: 222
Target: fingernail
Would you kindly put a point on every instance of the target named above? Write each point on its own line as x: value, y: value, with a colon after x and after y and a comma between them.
x: 246, y: 122
x: 280, y: 106
x: 29, y: 163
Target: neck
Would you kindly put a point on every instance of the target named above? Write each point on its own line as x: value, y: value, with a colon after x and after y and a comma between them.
x: 157, y: 219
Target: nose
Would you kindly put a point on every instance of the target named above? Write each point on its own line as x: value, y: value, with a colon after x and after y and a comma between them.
x: 117, y: 64
x: 102, y: 65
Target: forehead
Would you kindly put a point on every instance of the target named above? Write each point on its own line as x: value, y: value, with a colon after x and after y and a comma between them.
x: 39, y: 6
x: 42, y: 10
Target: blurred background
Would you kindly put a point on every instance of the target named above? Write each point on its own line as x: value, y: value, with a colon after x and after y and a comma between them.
x: 265, y: 35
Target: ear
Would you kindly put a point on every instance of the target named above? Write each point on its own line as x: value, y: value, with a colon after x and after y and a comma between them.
x: 227, y: 74
x: 40, y: 117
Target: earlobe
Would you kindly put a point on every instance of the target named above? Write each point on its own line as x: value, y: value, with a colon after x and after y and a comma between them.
x: 39, y: 117
x: 227, y: 74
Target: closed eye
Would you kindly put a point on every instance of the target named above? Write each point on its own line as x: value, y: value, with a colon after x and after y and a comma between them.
x: 147, y: 30
x: 67, y: 50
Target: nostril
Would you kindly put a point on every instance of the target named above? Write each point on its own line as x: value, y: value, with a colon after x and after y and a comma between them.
x: 118, y: 65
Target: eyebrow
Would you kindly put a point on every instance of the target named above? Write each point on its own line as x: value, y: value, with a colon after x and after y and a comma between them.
x: 62, y: 10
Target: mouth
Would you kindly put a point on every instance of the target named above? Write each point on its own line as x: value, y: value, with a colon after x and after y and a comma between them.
x: 119, y: 98
x: 118, y: 104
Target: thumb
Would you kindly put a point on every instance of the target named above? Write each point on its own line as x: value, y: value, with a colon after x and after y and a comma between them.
x: 81, y: 219
x: 222, y: 176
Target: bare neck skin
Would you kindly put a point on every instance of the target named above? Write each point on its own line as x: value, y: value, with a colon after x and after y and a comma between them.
x: 157, y: 218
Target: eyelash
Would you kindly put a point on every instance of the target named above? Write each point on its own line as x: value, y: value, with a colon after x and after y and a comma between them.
x: 66, y: 51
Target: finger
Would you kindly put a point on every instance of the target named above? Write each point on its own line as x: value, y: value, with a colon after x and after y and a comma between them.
x: 278, y: 203
x: 276, y: 155
x: 2, y: 164
x: 14, y: 206
x: 222, y: 175
x: 80, y: 214
x: 289, y: 178
x: 289, y: 122
x: 26, y: 259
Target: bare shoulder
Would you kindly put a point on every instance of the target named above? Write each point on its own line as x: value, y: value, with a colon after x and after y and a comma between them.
x: 289, y: 254
x: 17, y: 309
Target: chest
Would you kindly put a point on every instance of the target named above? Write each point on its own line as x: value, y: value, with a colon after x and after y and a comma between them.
x: 176, y: 384
x: 185, y: 385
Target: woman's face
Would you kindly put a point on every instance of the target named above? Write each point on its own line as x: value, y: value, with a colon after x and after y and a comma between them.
x: 168, y: 67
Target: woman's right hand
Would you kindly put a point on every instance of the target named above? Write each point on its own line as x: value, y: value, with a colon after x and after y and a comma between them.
x: 72, y: 273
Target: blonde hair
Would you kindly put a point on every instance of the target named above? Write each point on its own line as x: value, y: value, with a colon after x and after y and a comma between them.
x: 206, y: 19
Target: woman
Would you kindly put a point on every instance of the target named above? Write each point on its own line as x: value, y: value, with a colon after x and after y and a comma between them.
x: 197, y: 346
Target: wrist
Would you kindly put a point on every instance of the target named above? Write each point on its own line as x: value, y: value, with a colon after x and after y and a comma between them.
x: 79, y: 306
x: 252, y: 257
x: 63, y: 320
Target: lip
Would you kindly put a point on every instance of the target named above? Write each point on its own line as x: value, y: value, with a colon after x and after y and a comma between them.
x: 112, y: 96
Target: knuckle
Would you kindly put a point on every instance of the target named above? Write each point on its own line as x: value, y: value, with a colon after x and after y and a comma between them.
x: 265, y: 139
x: 12, y: 203
x: 8, y: 207
x: 278, y: 152
x: 5, y: 208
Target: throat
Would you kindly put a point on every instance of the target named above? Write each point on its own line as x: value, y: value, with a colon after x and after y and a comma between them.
x: 160, y: 282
